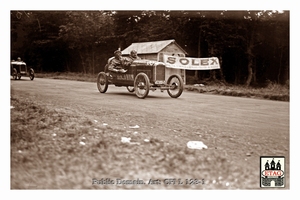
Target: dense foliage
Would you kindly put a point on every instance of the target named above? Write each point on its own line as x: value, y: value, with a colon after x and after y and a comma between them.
x: 253, y: 46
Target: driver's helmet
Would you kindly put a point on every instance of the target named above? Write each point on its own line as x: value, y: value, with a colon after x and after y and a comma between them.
x: 133, y: 54
x: 117, y: 52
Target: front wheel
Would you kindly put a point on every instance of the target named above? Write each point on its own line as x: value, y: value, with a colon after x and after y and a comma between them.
x: 141, y: 85
x: 175, y: 83
x: 102, y: 82
x: 14, y: 74
x: 31, y: 74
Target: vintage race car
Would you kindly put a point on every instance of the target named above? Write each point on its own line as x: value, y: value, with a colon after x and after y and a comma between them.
x: 19, y: 69
x: 141, y: 77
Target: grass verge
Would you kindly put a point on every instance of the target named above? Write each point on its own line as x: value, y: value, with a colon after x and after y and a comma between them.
x: 58, y: 148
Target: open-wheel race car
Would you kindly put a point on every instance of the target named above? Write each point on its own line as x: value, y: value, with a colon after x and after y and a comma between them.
x: 19, y: 69
x: 141, y: 77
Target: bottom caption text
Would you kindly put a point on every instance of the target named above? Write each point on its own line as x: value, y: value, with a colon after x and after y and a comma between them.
x: 168, y: 181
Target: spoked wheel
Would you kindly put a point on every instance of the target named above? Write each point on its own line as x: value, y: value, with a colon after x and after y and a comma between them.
x: 141, y: 85
x: 31, y: 74
x: 102, y: 82
x: 15, y: 74
x: 175, y: 83
x: 130, y: 88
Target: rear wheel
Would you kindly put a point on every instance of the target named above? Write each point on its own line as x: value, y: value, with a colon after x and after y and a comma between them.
x: 175, y: 83
x: 141, y: 85
x: 102, y: 82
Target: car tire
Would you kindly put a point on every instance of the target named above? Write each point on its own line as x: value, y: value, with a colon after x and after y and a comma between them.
x: 15, y: 74
x: 141, y: 85
x: 31, y: 74
x: 175, y: 83
x: 102, y: 82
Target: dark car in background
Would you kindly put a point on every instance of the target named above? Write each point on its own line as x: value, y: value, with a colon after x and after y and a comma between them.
x: 19, y: 69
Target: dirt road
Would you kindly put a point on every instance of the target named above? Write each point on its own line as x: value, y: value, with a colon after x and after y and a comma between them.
x: 243, y: 129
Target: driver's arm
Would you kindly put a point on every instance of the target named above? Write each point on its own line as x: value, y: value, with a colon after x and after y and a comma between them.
x: 127, y: 62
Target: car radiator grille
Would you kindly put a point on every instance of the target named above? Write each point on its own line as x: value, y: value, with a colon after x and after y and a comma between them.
x: 160, y: 72
x: 22, y: 68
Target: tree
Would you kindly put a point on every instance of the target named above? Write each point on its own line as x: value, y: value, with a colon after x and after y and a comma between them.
x: 34, y: 37
x: 243, y: 31
x: 253, y: 30
x: 85, y: 32
x: 144, y: 26
x: 253, y: 46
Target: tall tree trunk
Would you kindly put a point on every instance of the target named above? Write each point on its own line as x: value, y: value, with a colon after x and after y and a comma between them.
x: 67, y: 61
x: 250, y: 59
x: 221, y: 70
x: 250, y: 72
x: 237, y: 74
x: 82, y: 62
x: 93, y: 62
x: 212, y: 73
x: 254, y: 72
x: 280, y: 66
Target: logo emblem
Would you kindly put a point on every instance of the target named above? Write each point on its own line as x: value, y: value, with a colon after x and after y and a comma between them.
x: 272, y: 171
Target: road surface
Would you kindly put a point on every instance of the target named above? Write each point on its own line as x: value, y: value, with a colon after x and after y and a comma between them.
x: 241, y: 128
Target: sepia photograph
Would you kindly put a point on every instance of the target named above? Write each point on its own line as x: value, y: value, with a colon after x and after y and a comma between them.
x: 149, y: 99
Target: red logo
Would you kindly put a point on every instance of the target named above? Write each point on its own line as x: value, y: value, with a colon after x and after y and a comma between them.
x: 272, y: 173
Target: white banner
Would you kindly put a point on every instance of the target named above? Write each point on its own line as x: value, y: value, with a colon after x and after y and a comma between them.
x: 191, y: 63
